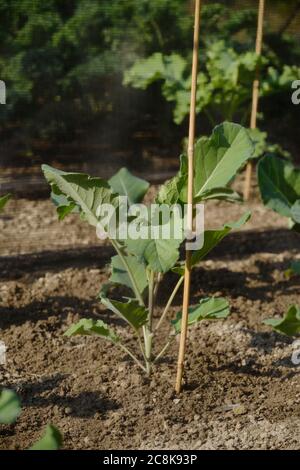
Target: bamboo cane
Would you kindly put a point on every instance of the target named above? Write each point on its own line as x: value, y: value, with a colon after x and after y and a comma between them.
x: 255, y: 93
x: 187, y: 277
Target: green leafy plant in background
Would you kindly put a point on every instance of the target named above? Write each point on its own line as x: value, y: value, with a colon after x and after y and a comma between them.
x: 288, y: 325
x: 10, y: 409
x: 279, y: 184
x: 140, y: 265
x: 224, y: 85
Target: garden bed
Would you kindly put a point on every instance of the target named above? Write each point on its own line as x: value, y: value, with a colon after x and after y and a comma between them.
x: 242, y: 389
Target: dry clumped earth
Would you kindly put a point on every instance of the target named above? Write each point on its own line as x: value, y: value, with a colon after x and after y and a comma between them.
x: 242, y: 390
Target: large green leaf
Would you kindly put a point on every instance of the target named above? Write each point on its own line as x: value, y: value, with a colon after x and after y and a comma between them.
x: 132, y: 312
x: 160, y: 255
x: 219, y: 157
x: 52, y: 440
x: 169, y: 193
x: 85, y: 192
x: 279, y: 183
x: 120, y: 275
x: 10, y: 407
x: 211, y: 239
x: 4, y: 200
x: 125, y: 184
x: 289, y: 324
x: 89, y: 327
x: 208, y: 309
x: 223, y: 194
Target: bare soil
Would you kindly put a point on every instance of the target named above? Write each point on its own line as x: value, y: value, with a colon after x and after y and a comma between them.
x: 242, y: 390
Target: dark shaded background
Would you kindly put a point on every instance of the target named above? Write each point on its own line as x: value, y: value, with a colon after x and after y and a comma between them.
x: 63, y: 64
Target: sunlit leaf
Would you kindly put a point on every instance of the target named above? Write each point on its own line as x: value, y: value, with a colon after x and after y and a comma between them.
x: 289, y: 324
x: 208, y: 309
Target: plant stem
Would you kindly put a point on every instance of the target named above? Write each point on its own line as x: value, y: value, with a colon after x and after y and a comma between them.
x: 151, y: 299
x: 164, y: 349
x: 148, y: 335
x: 169, y: 303
x: 141, y: 346
x: 130, y: 274
x: 124, y: 348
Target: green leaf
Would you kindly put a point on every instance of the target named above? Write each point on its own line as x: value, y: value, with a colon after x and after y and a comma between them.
x: 208, y: 309
x: 225, y: 194
x: 293, y: 270
x: 219, y: 157
x: 133, y: 313
x: 4, y: 200
x: 295, y: 211
x: 211, y: 239
x: 295, y: 266
x: 85, y: 192
x: 160, y: 255
x: 89, y: 327
x: 52, y: 440
x: 125, y: 184
x: 289, y: 324
x: 279, y: 184
x: 169, y: 193
x: 10, y: 407
x: 120, y: 274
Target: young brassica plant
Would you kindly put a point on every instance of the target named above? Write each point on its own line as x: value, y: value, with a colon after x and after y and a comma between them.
x: 279, y: 184
x: 141, y: 263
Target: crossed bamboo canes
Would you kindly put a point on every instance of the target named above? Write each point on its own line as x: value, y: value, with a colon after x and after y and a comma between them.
x: 255, y: 93
x: 187, y: 276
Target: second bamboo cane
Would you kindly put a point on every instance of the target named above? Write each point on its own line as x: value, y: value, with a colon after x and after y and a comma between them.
x: 187, y: 276
x: 255, y: 93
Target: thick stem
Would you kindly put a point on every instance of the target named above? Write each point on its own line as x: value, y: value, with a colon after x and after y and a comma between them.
x: 148, y: 335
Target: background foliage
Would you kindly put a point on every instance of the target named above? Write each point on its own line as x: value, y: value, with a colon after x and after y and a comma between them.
x: 63, y: 61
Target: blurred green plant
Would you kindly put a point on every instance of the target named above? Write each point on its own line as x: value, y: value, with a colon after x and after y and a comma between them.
x: 224, y: 85
x: 10, y: 409
x: 279, y: 184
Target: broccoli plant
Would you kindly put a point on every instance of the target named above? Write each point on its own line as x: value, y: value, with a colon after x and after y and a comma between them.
x: 10, y: 409
x: 279, y: 184
x: 140, y: 263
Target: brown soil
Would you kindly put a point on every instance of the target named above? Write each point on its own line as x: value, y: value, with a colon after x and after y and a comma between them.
x: 242, y: 389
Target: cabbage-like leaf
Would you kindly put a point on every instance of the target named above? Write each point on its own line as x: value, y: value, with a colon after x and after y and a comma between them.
x: 211, y: 239
x: 89, y: 327
x: 10, y: 407
x: 208, y: 309
x: 120, y: 275
x: 219, y: 157
x: 279, y: 184
x: 126, y: 184
x: 132, y: 312
x: 160, y: 255
x: 52, y: 440
x: 85, y: 192
x: 289, y: 324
